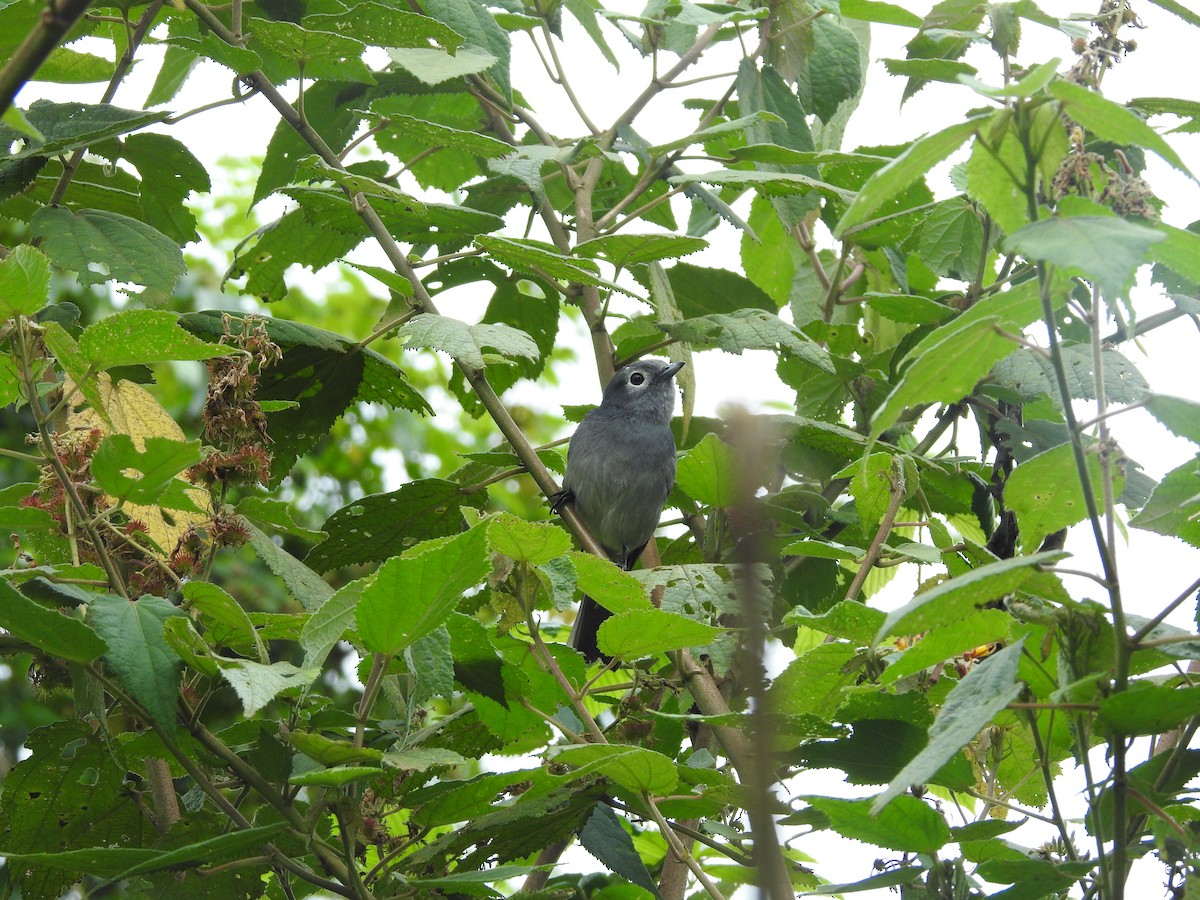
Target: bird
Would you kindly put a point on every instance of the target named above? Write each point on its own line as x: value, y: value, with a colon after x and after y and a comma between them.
x: 620, y: 469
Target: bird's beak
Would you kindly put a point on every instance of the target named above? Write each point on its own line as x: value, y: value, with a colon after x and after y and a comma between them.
x: 669, y: 372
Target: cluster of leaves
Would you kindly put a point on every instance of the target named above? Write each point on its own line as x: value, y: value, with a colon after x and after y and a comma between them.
x: 894, y: 317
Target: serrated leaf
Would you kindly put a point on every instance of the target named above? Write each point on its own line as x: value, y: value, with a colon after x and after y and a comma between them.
x: 608, y: 584
x: 961, y: 596
x: 846, y: 619
x: 604, y: 838
x: 156, y: 465
x: 1174, y: 507
x: 24, y: 281
x: 434, y: 134
x: 314, y: 54
x: 305, y: 584
x: 648, y: 632
x: 421, y: 759
x: 1046, y: 494
x: 134, y: 336
x: 969, y: 707
x: 380, y: 525
x: 1149, y: 708
x: 475, y: 22
x: 465, y: 343
x: 1113, y: 122
x: 1180, y: 415
x: 705, y: 134
x: 65, y: 127
x: 328, y: 623
x: 225, y: 618
x: 951, y: 239
x: 707, y: 472
x: 769, y: 184
x: 906, y: 824
x: 137, y: 652
x: 409, y: 597
x: 434, y: 66
x: 626, y: 250
x: 381, y: 25
x: 530, y: 542
x: 921, y: 156
x: 257, y: 684
x: 55, y: 633
x: 750, y: 329
x: 126, y: 249
x: 1104, y: 248
x: 831, y: 73
x: 539, y: 258
x: 633, y: 768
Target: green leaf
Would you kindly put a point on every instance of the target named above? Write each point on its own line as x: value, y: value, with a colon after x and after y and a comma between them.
x: 529, y: 542
x: 876, y: 11
x: 465, y: 343
x: 633, y: 768
x: 542, y: 259
x: 227, y: 622
x: 156, y: 465
x: 434, y: 134
x: 1174, y: 507
x: 707, y: 472
x: 70, y: 126
x: 1112, y: 122
x: 55, y: 633
x: 626, y: 250
x: 313, y: 169
x: 24, y: 281
x: 305, y: 584
x: 1188, y: 15
x: 768, y: 184
x: 909, y: 309
x: 137, y: 652
x: 846, y: 618
x: 436, y: 66
x: 328, y: 623
x: 951, y: 240
x: 949, y: 361
x: 421, y: 759
x: 67, y: 66
x: 257, y: 684
x: 134, y: 336
x: 990, y: 178
x: 381, y: 525
x: 969, y: 707
x: 983, y: 627
x: 208, y: 46
x: 1180, y: 415
x: 1179, y: 252
x: 170, y: 173
x: 409, y: 597
x: 648, y: 632
x: 604, y: 838
x: 831, y: 73
x: 750, y: 329
x: 315, y: 54
x: 475, y: 22
x: 1104, y: 248
x: 725, y: 127
x: 961, y: 596
x: 907, y: 824
x: 277, y: 514
x: 1149, y: 708
x: 1045, y: 493
x: 701, y: 291
x: 921, y: 156
x: 128, y: 250
x: 177, y: 65
x: 608, y: 584
x: 947, y: 70
x: 381, y: 25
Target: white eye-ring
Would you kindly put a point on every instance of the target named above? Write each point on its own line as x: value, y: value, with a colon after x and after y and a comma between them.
x: 637, y: 378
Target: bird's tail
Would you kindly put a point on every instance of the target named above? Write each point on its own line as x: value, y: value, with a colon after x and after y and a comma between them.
x: 583, y: 633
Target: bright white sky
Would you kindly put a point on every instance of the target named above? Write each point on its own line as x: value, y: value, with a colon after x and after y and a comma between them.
x: 1153, y: 569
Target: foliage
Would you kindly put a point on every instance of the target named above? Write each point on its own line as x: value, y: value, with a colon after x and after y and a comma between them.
x: 197, y: 572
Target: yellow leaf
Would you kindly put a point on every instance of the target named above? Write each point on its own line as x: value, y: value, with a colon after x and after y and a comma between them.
x: 134, y: 411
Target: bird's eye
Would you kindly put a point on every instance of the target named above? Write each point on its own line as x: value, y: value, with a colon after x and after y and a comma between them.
x: 637, y: 378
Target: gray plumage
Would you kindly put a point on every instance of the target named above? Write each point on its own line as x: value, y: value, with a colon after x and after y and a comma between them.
x: 620, y: 469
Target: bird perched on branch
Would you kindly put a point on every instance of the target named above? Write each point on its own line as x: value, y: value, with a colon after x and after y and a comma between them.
x: 620, y: 469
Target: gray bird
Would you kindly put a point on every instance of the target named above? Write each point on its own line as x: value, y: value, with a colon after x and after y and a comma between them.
x: 620, y: 469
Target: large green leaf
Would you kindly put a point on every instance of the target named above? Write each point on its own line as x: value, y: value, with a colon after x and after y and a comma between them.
x: 1174, y: 507
x: 465, y: 343
x: 648, y: 632
x: 134, y: 336
x: 1104, y: 248
x: 969, y: 707
x: 52, y: 632
x: 126, y: 249
x: 475, y: 22
x: 633, y: 768
x: 24, y: 281
x: 156, y: 465
x: 137, y: 652
x: 1046, y: 493
x: 315, y: 54
x: 378, y: 526
x: 1111, y: 121
x: 921, y: 156
x: 906, y: 824
x: 409, y: 597
x: 71, y: 126
x: 961, y: 596
x: 750, y: 329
